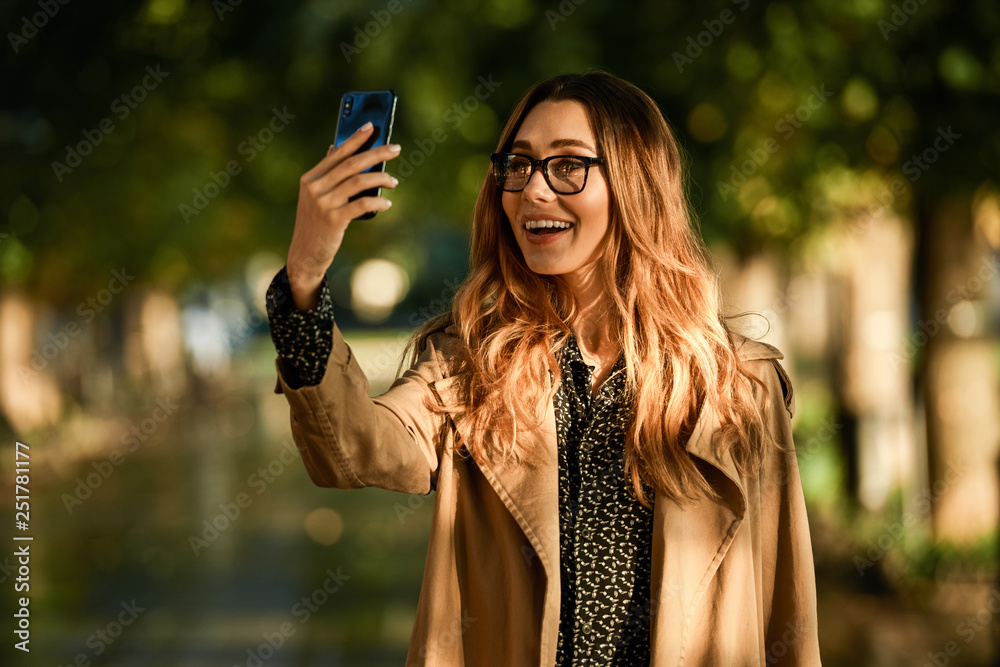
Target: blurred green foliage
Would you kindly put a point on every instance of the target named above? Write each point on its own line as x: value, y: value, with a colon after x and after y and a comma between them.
x: 730, y: 76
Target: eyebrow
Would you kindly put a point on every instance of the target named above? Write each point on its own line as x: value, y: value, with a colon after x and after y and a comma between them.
x: 558, y: 143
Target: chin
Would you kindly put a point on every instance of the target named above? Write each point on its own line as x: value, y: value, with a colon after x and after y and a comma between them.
x: 547, y: 268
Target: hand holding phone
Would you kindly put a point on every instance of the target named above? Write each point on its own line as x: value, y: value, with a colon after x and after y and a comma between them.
x: 377, y: 107
x: 331, y: 195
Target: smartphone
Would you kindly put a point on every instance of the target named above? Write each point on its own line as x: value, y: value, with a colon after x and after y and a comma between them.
x: 356, y: 109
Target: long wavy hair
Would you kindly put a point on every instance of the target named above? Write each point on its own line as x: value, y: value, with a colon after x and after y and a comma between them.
x: 665, y: 317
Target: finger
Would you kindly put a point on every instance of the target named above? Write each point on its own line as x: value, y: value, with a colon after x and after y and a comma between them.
x: 366, y: 159
x: 354, y: 186
x: 350, y: 145
x: 343, y: 166
x: 355, y: 166
x: 363, y: 205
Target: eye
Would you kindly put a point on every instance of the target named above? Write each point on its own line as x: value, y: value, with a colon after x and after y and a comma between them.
x: 567, y: 170
x: 566, y: 166
x: 518, y: 166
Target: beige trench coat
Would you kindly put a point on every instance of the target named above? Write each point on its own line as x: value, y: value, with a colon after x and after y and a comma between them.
x: 732, y: 580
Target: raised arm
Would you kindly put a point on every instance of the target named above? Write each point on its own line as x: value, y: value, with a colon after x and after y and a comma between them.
x: 349, y: 440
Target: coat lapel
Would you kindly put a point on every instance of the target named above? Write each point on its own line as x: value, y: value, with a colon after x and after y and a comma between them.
x: 689, y: 543
x: 701, y: 446
x: 530, y: 491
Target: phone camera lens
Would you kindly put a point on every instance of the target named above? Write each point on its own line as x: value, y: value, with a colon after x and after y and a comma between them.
x: 348, y: 105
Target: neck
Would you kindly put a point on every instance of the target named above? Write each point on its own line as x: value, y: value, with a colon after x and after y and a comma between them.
x: 591, y: 322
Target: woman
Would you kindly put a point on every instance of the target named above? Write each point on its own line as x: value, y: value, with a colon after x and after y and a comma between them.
x: 615, y: 477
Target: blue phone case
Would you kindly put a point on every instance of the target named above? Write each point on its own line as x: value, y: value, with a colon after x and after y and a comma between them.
x: 356, y: 109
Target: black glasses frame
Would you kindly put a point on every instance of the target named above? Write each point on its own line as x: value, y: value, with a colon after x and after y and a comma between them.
x: 500, y: 160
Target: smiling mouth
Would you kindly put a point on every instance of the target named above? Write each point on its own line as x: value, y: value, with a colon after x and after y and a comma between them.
x: 540, y: 227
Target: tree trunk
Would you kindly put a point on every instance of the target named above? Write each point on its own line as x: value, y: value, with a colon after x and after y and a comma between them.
x: 876, y: 398
x: 958, y: 376
x: 29, y: 395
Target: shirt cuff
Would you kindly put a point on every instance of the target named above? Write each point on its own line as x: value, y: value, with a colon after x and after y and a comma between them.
x: 303, y: 338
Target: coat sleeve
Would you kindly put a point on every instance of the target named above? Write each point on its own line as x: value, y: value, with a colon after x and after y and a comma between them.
x: 349, y: 440
x: 788, y: 579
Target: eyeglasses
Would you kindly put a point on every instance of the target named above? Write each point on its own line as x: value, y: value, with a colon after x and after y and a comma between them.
x: 565, y: 174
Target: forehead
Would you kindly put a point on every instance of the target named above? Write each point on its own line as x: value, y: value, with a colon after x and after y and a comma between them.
x: 555, y: 123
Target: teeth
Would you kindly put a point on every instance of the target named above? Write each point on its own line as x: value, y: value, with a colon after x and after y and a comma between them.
x: 538, y: 224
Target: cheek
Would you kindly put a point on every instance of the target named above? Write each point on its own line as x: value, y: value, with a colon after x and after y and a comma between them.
x: 509, y: 200
x: 596, y: 214
x: 509, y: 204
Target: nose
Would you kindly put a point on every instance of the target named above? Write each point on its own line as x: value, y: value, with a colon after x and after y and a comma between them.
x: 537, y: 187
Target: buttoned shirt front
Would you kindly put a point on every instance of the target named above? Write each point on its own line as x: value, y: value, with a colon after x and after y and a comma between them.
x: 605, y: 533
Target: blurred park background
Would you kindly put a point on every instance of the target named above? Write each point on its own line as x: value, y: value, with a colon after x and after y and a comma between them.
x: 845, y: 167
